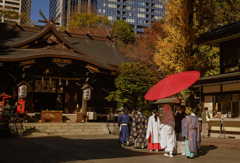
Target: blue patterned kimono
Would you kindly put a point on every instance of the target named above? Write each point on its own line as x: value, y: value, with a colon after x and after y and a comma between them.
x: 123, y: 121
x: 184, y: 129
x: 139, y: 129
x: 190, y: 129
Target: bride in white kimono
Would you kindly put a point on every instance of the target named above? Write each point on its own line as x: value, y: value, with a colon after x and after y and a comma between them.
x: 153, y: 132
x: 167, y: 132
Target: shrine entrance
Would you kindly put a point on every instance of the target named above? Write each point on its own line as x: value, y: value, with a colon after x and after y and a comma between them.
x: 44, y: 101
x: 54, y: 86
x: 56, y: 94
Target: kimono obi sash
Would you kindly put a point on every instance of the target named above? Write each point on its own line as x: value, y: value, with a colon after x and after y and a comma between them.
x: 193, y: 128
x: 124, y: 124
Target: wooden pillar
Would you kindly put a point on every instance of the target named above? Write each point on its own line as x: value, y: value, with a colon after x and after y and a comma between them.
x: 84, y: 108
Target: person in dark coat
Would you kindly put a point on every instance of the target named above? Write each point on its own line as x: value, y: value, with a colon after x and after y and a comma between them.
x: 179, y: 115
x: 123, y: 122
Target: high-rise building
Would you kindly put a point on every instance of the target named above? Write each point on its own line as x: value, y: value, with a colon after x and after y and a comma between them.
x: 139, y: 13
x: 66, y: 8
x: 19, y: 6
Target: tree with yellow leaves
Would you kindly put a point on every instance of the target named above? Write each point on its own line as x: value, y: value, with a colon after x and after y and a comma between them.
x: 178, y: 51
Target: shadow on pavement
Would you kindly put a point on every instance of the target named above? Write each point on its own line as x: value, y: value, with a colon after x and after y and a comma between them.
x: 205, y: 149
x: 60, y: 149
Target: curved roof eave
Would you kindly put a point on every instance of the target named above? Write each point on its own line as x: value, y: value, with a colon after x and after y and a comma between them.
x: 43, y: 53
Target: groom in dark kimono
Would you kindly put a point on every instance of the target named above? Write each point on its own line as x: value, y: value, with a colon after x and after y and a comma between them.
x: 123, y: 122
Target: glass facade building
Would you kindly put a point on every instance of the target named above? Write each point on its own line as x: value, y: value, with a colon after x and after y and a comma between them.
x: 20, y: 6
x: 57, y: 7
x: 139, y: 13
x: 68, y: 7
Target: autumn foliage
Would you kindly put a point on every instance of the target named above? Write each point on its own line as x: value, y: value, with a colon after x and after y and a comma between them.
x: 170, y: 45
x: 179, y: 51
x: 143, y: 49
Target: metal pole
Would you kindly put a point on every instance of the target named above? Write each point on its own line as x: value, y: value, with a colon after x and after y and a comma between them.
x: 222, y: 129
x: 224, y: 136
x: 220, y: 134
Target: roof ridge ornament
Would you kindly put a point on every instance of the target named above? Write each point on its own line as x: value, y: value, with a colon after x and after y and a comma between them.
x: 51, y: 21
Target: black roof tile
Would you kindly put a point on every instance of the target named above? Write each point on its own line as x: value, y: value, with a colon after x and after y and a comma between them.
x: 100, y: 52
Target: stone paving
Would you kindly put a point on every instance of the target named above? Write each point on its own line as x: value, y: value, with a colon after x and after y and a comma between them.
x: 98, y: 149
x: 222, y: 143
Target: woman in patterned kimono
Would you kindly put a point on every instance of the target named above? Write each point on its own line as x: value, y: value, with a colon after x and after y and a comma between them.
x: 167, y: 132
x: 153, y: 132
x: 191, y: 132
x: 139, y: 129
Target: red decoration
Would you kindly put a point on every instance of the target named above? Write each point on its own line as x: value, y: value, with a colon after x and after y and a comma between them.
x: 4, y: 96
x: 21, y: 106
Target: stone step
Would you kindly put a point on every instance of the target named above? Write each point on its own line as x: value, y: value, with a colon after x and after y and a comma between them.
x: 40, y: 134
x: 76, y: 130
x: 30, y: 130
x: 70, y: 130
x: 92, y: 129
x: 57, y: 129
x: 69, y: 127
x: 63, y: 127
x: 55, y: 133
x: 53, y: 127
x: 62, y: 124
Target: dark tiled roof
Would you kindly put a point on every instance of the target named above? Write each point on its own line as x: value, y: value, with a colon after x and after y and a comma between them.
x: 8, y: 36
x: 29, y: 36
x: 103, y: 51
x: 221, y: 34
x: 100, y: 51
x: 218, y: 79
x: 221, y: 29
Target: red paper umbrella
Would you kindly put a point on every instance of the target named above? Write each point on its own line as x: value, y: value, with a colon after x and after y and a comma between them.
x: 172, y: 85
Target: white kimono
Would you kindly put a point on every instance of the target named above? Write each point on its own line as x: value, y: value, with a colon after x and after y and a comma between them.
x: 167, y: 137
x: 153, y: 128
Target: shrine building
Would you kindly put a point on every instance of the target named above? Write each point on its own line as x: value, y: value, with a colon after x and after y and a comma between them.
x: 57, y: 67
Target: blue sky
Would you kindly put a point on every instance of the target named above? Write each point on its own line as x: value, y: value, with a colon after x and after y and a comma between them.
x: 39, y: 4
